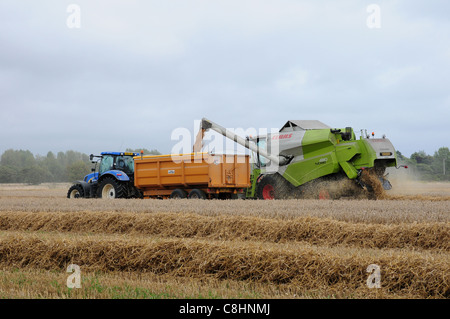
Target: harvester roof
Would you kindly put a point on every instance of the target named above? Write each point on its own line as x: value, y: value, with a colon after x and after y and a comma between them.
x: 303, y: 125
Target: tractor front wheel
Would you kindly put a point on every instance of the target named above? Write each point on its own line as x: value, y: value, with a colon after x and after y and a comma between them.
x: 111, y: 188
x: 76, y: 191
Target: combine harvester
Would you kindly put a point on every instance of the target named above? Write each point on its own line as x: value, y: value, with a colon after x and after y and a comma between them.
x: 305, y: 159
x: 308, y: 159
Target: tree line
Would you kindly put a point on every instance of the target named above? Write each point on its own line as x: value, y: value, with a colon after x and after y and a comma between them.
x: 427, y: 167
x: 21, y: 166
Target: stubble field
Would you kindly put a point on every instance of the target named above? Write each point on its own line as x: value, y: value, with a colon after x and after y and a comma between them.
x: 225, y: 249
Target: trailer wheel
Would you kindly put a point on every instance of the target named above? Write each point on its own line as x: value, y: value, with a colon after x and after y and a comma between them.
x: 76, y: 191
x: 110, y: 188
x: 179, y: 194
x: 197, y: 194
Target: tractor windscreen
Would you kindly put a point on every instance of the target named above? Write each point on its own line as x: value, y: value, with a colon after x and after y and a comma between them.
x: 106, y: 164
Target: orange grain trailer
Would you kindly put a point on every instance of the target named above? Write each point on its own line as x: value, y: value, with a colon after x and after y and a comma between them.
x: 195, y: 175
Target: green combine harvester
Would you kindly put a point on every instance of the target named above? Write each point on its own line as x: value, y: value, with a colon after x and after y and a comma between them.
x: 308, y: 159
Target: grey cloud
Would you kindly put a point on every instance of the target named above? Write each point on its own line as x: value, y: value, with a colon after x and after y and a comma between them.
x: 136, y: 70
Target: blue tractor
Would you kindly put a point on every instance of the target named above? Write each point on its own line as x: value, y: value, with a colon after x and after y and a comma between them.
x: 114, y: 178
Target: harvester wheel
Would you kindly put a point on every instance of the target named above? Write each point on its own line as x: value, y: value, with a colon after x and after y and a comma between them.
x: 325, y: 187
x: 110, y: 188
x: 268, y: 191
x: 197, y: 194
x: 324, y: 194
x: 179, y: 194
x: 272, y: 187
x: 76, y: 191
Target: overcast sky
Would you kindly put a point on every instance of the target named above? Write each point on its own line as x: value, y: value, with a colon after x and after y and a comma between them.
x: 133, y: 71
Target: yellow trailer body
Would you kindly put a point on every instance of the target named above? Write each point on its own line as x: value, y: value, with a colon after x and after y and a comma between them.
x: 213, y: 174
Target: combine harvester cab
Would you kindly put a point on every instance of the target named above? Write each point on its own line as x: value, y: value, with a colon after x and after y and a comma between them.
x: 308, y: 159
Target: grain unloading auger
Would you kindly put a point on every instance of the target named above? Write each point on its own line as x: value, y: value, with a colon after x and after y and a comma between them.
x: 308, y: 159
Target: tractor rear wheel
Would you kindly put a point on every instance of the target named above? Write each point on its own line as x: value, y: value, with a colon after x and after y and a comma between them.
x: 76, y: 191
x: 111, y: 188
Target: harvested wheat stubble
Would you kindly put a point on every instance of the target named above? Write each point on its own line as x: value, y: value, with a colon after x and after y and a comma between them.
x: 361, y: 211
x: 402, y: 272
x: 320, y: 231
x: 304, y: 246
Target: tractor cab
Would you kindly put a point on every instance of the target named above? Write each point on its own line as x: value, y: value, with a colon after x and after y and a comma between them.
x: 113, y: 163
x: 117, y: 161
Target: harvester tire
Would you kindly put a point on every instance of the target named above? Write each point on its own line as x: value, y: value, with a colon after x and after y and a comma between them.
x: 179, y: 194
x: 75, y: 191
x: 324, y: 194
x: 111, y: 188
x: 272, y: 186
x: 319, y: 188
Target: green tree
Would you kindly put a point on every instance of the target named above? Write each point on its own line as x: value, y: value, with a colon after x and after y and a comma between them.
x: 400, y: 156
x: 422, y: 158
x: 441, y: 163
x: 77, y: 170
x: 8, y: 174
x: 17, y: 158
x: 34, y: 175
x: 67, y: 163
x: 51, y: 164
x: 426, y: 172
x: 62, y: 159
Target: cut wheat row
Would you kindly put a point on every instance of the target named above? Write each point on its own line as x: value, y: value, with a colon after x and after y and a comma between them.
x: 360, y: 211
x: 402, y: 272
x: 320, y: 231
